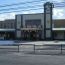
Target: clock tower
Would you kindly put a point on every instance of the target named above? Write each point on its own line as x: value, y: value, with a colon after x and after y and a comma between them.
x: 48, y: 20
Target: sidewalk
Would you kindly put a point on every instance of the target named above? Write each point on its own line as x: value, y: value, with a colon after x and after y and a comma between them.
x: 25, y: 59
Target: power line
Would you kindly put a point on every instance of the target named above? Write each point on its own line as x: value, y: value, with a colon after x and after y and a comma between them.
x: 23, y: 10
x: 27, y: 8
x: 39, y: 8
x: 24, y: 7
x: 7, y: 5
x: 21, y: 7
x: 59, y: 6
x: 59, y: 3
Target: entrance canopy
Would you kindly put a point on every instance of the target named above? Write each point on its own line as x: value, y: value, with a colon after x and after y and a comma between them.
x: 7, y: 30
x: 32, y: 29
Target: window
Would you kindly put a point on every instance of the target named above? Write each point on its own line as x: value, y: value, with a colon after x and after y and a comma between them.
x: 11, y: 25
x: 33, y: 22
x: 4, y: 25
x: 1, y: 25
x: 7, y: 25
x: 28, y: 26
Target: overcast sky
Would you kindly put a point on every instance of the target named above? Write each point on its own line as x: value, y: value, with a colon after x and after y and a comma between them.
x: 58, y: 13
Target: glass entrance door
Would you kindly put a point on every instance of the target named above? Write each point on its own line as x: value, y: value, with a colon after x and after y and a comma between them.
x: 59, y: 35
x: 7, y: 35
x: 31, y: 35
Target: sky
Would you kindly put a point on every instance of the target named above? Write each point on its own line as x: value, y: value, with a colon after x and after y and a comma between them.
x: 58, y: 13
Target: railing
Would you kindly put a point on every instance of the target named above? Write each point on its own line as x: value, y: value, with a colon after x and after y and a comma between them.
x: 40, y: 49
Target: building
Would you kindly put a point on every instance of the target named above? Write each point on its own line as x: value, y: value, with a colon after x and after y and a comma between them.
x: 35, y: 26
x: 39, y: 26
x: 7, y: 29
x: 32, y: 27
x: 59, y: 29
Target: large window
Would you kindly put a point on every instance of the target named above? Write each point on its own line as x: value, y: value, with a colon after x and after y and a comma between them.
x: 33, y: 23
x: 59, y: 35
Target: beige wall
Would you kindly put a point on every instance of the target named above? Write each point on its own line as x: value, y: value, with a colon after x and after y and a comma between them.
x: 33, y: 17
x: 59, y: 23
x: 7, y: 24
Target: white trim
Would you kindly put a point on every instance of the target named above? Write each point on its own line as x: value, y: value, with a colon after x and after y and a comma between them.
x: 31, y: 29
x: 7, y: 29
x: 61, y: 29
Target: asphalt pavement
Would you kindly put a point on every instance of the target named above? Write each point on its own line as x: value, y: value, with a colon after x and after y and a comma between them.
x: 27, y: 56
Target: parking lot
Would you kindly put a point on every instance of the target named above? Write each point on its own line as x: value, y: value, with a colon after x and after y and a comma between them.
x: 43, y: 55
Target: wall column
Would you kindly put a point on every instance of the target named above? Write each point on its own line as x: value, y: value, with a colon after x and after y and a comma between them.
x: 48, y: 20
x: 19, y: 25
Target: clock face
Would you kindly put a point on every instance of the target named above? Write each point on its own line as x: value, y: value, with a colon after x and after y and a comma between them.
x: 47, y: 8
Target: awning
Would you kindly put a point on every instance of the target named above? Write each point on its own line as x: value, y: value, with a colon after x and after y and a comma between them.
x: 31, y: 28
x: 6, y: 30
x: 58, y: 29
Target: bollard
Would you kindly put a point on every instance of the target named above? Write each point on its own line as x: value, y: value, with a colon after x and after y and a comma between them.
x: 34, y: 48
x: 18, y: 48
x: 61, y: 48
